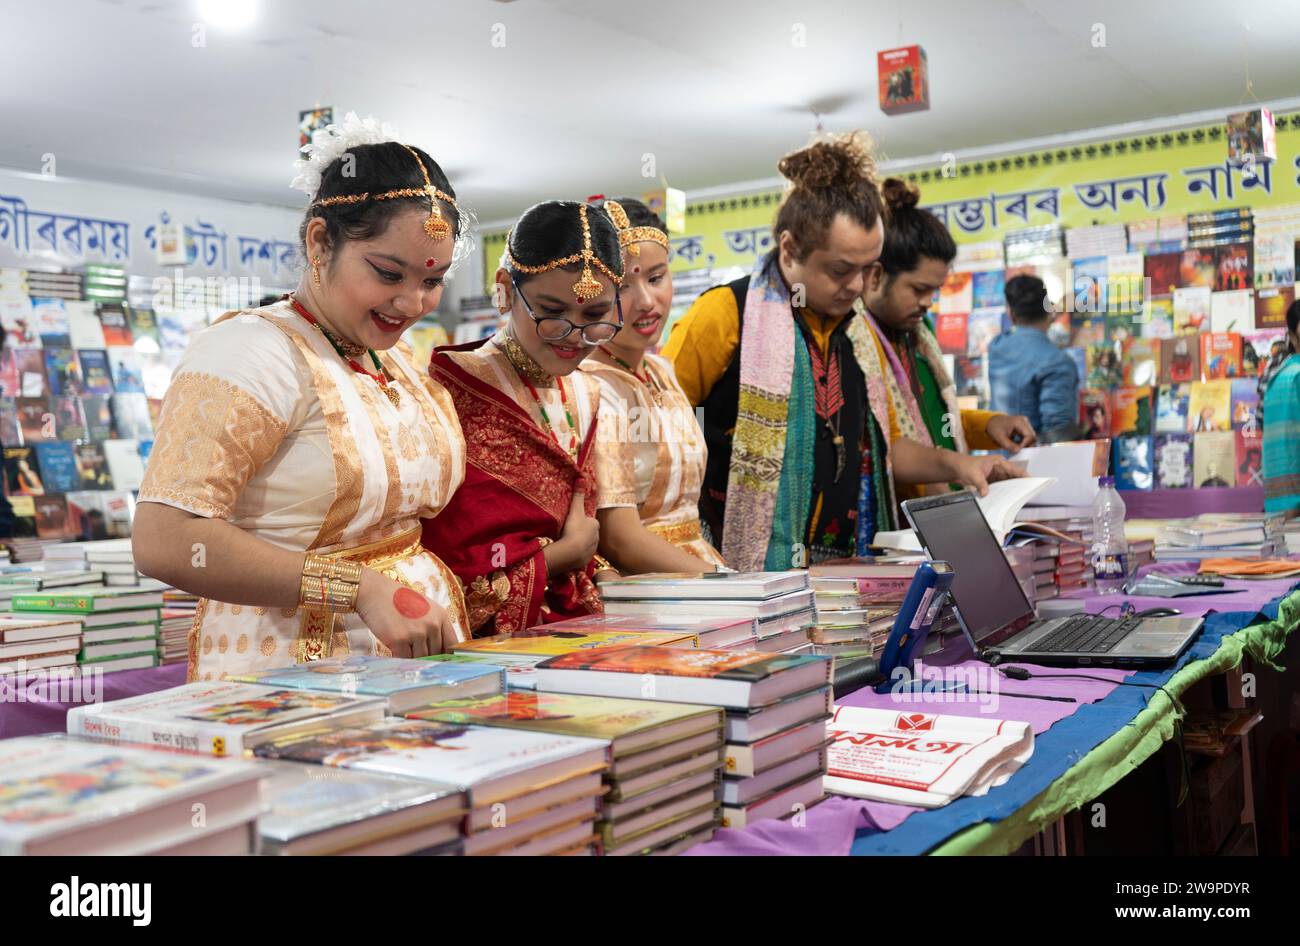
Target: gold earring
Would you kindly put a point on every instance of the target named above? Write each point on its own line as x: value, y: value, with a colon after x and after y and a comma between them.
x: 315, y: 271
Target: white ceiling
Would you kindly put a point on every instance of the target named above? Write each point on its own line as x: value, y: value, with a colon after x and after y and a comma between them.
x: 582, y: 89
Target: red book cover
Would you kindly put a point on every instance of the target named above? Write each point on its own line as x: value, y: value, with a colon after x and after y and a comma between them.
x: 950, y: 332
x: 664, y: 661
x: 1094, y: 414
x: 904, y: 82
x: 1220, y: 355
x: 1250, y: 457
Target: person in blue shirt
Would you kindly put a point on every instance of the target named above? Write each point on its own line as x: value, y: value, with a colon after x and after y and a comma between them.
x: 1028, y: 374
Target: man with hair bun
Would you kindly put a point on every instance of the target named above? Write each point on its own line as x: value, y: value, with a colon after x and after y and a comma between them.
x: 913, y: 265
x: 800, y: 462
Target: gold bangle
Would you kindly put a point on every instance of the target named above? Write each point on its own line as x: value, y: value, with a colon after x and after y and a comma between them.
x: 329, y: 585
x: 603, y: 564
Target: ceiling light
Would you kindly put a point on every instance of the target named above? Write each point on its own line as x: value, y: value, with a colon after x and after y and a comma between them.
x: 228, y: 14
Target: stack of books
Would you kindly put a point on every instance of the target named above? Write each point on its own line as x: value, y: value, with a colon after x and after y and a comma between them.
x: 664, y: 760
x: 403, y: 684
x: 720, y: 633
x: 1101, y: 240
x: 856, y: 605
x: 1220, y: 227
x: 63, y: 797
x: 37, y: 643
x: 527, y: 793
x: 1033, y: 243
x: 321, y: 809
x: 115, y: 559
x: 220, y: 718
x: 41, y: 577
x: 120, y: 625
x: 1024, y: 562
x: 1214, y: 536
x: 763, y: 695
x: 173, y: 635
x: 781, y: 602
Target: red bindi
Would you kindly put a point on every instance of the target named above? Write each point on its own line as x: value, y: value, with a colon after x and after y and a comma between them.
x: 636, y: 269
x: 430, y: 263
x: 410, y: 604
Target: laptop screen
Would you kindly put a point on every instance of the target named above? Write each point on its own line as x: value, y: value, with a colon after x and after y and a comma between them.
x: 985, y: 590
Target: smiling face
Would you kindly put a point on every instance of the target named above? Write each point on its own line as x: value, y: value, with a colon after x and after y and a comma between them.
x: 374, y: 290
x: 550, y: 295
x: 834, y: 275
x: 647, y: 296
x: 901, y: 301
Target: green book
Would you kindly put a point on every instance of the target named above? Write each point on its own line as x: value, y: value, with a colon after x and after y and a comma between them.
x: 88, y: 600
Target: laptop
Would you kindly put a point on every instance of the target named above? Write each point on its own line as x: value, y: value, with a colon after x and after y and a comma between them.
x: 997, y: 618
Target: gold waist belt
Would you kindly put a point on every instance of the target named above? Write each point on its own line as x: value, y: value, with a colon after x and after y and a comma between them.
x: 382, y: 554
x: 680, y: 532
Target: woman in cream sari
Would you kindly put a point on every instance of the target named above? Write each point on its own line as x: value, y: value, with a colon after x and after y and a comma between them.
x: 298, y: 446
x: 644, y: 408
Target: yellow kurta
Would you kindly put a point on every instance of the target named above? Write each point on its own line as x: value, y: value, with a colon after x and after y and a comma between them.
x: 265, y: 426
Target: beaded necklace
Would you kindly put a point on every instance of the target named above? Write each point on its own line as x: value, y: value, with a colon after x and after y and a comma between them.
x: 650, y: 381
x: 349, y: 354
x: 529, y: 371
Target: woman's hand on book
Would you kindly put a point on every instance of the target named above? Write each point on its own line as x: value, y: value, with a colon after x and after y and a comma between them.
x: 979, y: 472
x: 408, y: 623
x: 578, y: 540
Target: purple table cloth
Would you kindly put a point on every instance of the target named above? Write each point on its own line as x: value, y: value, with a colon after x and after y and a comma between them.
x: 828, y: 829
x: 1184, y: 503
x: 27, y: 709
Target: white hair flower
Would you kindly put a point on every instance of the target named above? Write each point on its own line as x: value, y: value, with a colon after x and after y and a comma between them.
x: 332, y: 142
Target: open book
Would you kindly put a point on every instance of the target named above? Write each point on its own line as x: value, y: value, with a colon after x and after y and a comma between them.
x: 1000, y: 506
x: 912, y: 758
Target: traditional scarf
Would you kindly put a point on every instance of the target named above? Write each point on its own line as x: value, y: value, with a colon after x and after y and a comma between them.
x: 769, y: 489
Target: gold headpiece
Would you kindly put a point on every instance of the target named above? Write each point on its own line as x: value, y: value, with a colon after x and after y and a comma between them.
x: 587, y: 287
x: 435, y: 225
x: 628, y: 235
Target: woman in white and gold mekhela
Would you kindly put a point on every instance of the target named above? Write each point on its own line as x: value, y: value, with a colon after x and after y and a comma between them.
x: 643, y: 406
x: 298, y: 447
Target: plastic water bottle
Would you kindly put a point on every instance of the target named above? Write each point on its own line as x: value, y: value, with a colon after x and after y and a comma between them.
x: 1109, y: 547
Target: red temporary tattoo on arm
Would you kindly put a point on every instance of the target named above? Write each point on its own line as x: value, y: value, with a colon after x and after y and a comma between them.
x: 409, y: 604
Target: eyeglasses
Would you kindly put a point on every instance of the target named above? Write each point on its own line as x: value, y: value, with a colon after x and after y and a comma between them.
x: 553, y: 329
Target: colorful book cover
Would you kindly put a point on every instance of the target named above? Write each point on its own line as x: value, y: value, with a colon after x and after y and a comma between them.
x: 9, y: 432
x: 68, y: 421
x: 1233, y: 269
x: 1142, y: 361
x: 950, y: 332
x: 19, y: 321
x: 1130, y: 411
x: 1124, y: 285
x: 593, y: 717
x: 63, y: 371
x: 113, y: 321
x: 1172, y: 402
x: 1094, y: 414
x: 22, y: 472
x: 128, y: 374
x: 1087, y: 330
x: 36, y: 422
x: 1173, y: 461
x: 11, y: 382
x: 957, y: 294
x: 748, y: 666
x: 1162, y: 270
x: 359, y: 674
x: 532, y: 643
x: 58, y: 467
x: 31, y: 372
x: 98, y: 416
x: 1245, y: 404
x: 1197, y: 267
x: 94, y: 371
x: 131, y: 417
x: 1089, y: 285
x: 1180, y: 360
x: 1215, y: 459
x: 988, y: 289
x: 982, y: 327
x: 1271, y: 306
x: 1105, y: 369
x: 1191, y: 310
x: 1209, y: 407
x: 51, y: 318
x: 1258, y: 348
x: 457, y: 755
x: 1250, y: 457
x: 144, y: 329
x: 92, y: 467
x: 52, y: 519
x: 1134, y: 461
x: 86, y: 510
x: 1159, y: 318
x: 1220, y: 355
x: 1232, y: 311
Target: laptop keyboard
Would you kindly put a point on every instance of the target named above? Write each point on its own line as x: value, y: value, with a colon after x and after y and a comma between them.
x: 1086, y: 634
